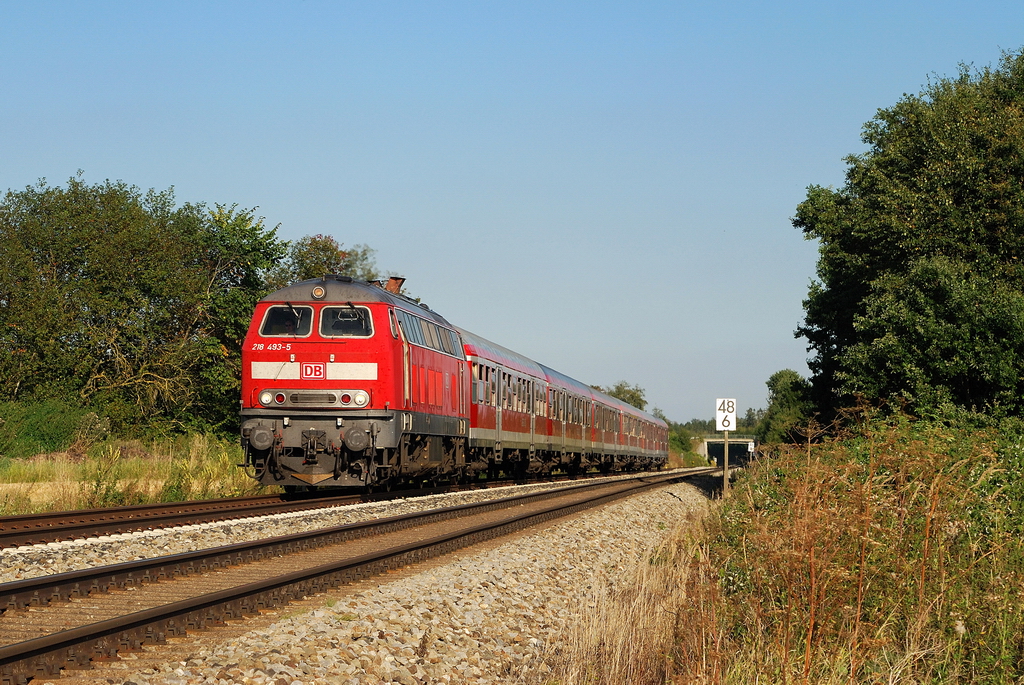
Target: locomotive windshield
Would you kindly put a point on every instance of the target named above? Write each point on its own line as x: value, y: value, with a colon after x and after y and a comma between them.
x: 348, y: 322
x: 287, y: 320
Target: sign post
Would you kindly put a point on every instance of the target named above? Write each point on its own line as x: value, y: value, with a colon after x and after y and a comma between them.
x: 725, y: 420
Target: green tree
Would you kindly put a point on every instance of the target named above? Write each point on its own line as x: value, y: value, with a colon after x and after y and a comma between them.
x: 630, y: 394
x: 789, y: 408
x: 748, y: 422
x: 922, y: 252
x: 313, y: 256
x: 237, y: 252
x: 115, y: 298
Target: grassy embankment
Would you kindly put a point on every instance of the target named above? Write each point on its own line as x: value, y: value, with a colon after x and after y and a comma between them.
x: 53, y: 457
x: 893, y: 555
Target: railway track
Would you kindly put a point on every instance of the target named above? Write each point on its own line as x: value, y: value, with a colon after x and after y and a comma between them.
x: 33, y: 529
x: 69, y: 620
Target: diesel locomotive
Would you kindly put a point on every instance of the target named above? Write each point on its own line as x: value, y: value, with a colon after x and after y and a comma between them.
x: 352, y: 384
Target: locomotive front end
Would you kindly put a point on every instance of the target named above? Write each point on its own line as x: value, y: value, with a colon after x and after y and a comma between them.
x: 319, y: 385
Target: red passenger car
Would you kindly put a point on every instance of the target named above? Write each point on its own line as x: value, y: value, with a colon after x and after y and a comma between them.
x: 346, y: 383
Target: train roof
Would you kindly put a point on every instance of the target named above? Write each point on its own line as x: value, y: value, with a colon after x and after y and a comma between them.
x: 344, y: 289
x: 481, y: 347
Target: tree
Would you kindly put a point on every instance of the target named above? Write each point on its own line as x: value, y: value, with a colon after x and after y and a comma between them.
x: 630, y: 394
x: 313, y: 256
x: 238, y: 251
x: 789, y: 407
x: 921, y: 266
x: 117, y: 298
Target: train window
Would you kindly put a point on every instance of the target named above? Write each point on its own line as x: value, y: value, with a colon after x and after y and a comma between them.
x: 443, y: 340
x: 436, y: 333
x: 428, y: 333
x: 475, y: 384
x: 345, y: 322
x: 445, y: 337
x: 456, y: 347
x: 411, y: 326
x: 287, y: 320
x: 394, y: 324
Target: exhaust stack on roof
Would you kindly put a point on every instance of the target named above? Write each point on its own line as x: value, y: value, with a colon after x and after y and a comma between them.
x: 394, y: 285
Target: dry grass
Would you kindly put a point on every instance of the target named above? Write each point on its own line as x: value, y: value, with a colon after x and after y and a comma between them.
x: 124, y: 472
x: 895, y: 555
x: 624, y: 631
x: 891, y: 556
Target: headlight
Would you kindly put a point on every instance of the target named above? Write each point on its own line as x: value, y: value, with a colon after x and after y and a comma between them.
x: 360, y: 399
x: 266, y: 397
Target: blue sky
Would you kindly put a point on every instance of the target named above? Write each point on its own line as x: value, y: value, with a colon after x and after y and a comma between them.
x: 604, y: 187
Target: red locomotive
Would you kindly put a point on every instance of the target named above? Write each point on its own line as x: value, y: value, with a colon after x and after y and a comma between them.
x: 346, y: 383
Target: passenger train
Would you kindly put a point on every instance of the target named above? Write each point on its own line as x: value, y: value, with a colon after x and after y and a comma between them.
x: 352, y: 384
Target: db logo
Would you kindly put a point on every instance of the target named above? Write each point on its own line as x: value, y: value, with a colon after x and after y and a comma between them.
x: 313, y: 371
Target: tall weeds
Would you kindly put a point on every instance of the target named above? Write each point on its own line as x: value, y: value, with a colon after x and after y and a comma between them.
x: 890, y: 556
x: 203, y: 467
x: 119, y: 472
x: 623, y: 631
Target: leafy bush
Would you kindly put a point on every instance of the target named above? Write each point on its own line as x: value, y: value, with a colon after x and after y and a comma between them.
x: 30, y: 428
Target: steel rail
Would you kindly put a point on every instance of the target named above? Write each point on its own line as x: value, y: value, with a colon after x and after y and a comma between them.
x: 76, y: 648
x: 33, y: 529
x: 40, y: 591
x: 30, y: 529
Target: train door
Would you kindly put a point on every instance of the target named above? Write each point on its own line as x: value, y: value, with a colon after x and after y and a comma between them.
x: 590, y: 430
x: 528, y: 402
x: 398, y: 333
x: 461, y: 393
x: 499, y: 403
x: 562, y: 418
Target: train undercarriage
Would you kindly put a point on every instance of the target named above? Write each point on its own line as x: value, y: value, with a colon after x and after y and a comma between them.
x: 384, y: 450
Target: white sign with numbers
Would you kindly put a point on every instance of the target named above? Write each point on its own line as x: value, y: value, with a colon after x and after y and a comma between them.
x: 725, y: 415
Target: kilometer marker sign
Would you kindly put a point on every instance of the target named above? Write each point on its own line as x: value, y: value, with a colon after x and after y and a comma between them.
x: 725, y: 420
x: 725, y: 414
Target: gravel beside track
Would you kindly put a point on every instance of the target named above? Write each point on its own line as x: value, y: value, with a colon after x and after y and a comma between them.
x: 489, y: 616
x: 31, y: 561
